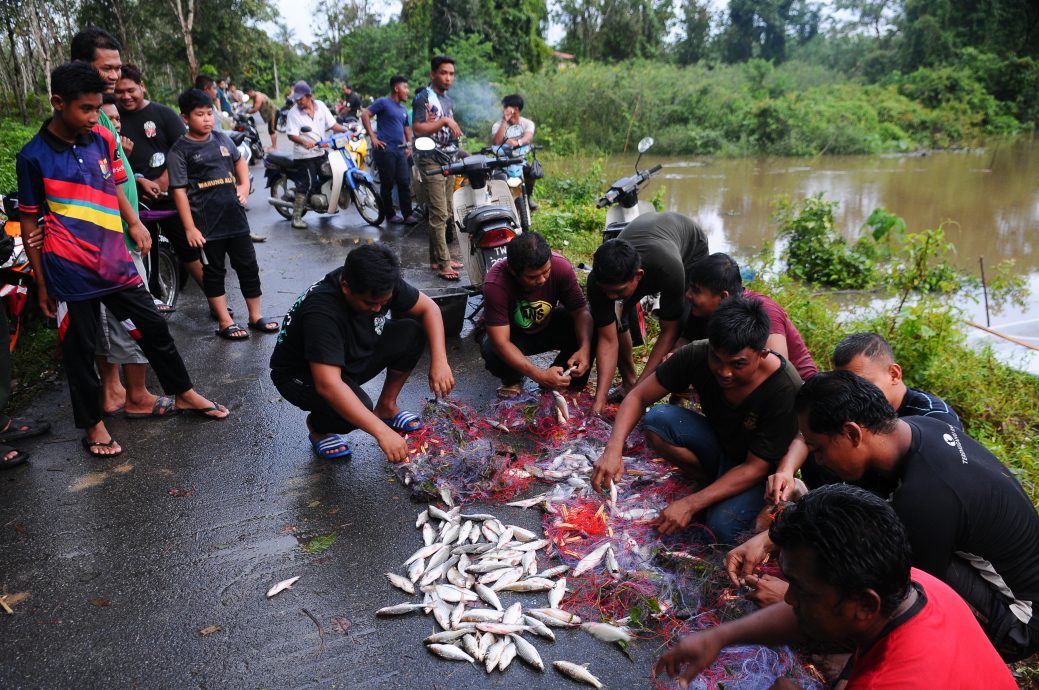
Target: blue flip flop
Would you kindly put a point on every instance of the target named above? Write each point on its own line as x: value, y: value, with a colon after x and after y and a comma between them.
x: 323, y: 448
x: 404, y: 421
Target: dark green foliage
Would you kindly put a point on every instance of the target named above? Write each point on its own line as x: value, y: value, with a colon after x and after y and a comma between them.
x: 13, y: 136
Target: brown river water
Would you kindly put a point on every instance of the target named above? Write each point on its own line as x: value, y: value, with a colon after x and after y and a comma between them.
x: 988, y: 200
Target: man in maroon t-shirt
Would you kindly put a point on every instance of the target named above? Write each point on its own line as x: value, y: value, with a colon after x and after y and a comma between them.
x: 715, y: 279
x: 533, y: 304
x: 847, y: 557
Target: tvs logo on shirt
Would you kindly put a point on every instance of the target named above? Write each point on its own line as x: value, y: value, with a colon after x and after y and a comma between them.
x: 149, y: 129
x: 531, y: 314
x: 103, y: 164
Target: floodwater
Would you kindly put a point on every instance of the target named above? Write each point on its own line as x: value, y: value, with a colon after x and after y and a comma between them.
x: 986, y: 199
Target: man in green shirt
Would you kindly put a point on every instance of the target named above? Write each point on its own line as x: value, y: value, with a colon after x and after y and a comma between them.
x: 115, y: 346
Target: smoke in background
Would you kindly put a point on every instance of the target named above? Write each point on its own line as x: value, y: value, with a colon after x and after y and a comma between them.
x: 477, y: 105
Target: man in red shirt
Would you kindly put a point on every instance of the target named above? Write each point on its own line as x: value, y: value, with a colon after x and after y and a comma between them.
x: 847, y: 558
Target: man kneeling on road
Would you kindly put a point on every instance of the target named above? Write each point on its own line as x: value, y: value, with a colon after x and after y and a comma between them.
x: 968, y: 520
x: 847, y: 557
x: 522, y: 297
x: 747, y: 395
x: 337, y: 337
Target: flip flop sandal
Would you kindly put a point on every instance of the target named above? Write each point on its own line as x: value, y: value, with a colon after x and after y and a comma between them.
x: 404, y: 422
x: 262, y: 325
x: 8, y: 463
x: 163, y: 308
x: 117, y: 411
x: 510, y: 391
x: 205, y: 411
x: 233, y: 332
x: 92, y: 446
x: 324, y: 448
x: 23, y: 428
x: 165, y: 406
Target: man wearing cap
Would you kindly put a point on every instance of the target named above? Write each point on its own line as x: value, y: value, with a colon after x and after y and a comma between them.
x: 312, y: 113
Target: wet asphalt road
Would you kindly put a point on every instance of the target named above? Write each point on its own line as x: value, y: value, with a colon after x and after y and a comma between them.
x: 126, y: 561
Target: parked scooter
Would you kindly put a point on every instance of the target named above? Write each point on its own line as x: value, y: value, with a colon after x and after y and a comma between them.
x: 341, y: 181
x: 247, y: 126
x: 485, y: 215
x: 622, y: 198
x: 513, y: 173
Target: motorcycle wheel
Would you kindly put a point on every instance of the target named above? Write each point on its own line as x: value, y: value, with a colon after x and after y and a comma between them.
x: 524, y: 212
x: 258, y: 152
x: 168, y: 275
x: 280, y: 190
x: 367, y: 202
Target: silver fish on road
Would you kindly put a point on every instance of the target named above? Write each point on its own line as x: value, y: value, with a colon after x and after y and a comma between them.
x: 482, y: 616
x: 416, y: 569
x: 287, y: 584
x: 527, y: 652
x: 539, y: 628
x: 577, y: 672
x: 513, y: 615
x: 423, y: 518
x: 501, y: 628
x: 555, y: 596
x: 437, y: 513
x: 520, y: 534
x: 398, y: 609
x: 401, y: 583
x: 507, y: 579
x: 493, y: 655
x: 507, y: 655
x: 429, y: 535
x: 557, y: 618
x: 488, y: 595
x: 472, y: 646
x: 591, y: 560
x: 528, y: 502
x: 424, y: 552
x: 553, y: 572
x: 451, y: 652
x: 531, y: 584
x: 607, y: 632
x: 446, y: 636
x: 456, y: 615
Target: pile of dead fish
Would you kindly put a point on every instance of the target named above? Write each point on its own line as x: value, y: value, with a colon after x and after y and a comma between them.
x: 466, y: 563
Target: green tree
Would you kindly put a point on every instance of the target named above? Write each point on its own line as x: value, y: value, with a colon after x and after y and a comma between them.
x: 696, y: 24
x: 512, y: 27
x: 614, y: 30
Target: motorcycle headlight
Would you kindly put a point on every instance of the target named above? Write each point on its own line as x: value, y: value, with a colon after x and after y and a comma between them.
x: 326, y: 169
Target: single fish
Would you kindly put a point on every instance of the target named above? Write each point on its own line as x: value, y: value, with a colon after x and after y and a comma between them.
x: 513, y: 615
x: 577, y: 672
x: 507, y: 579
x: 504, y: 538
x: 488, y: 595
x: 486, y: 640
x: 435, y: 512
x: 475, y: 535
x: 452, y: 594
x: 553, y: 572
x: 562, y: 409
x: 494, y: 576
x: 591, y: 560
x: 449, y: 651
x: 611, y: 563
x: 463, y: 533
x: 539, y: 628
x: 472, y: 548
x: 424, y: 552
x: 450, y: 533
x: 555, y: 596
x: 532, y: 584
x: 477, y: 517
x: 429, y: 535
x: 520, y: 534
x: 497, y: 425
x: 493, y: 655
x: 442, y: 556
x: 488, y: 533
x: 501, y: 628
x: 528, y: 502
x: 557, y: 618
x: 529, y: 562
x: 527, y: 652
x: 432, y: 575
x: 482, y: 616
x: 401, y: 583
x: 535, y: 545
x: 456, y: 578
x: 484, y: 567
x: 507, y: 655
x: 442, y: 613
x: 456, y: 615
x: 450, y: 635
x: 287, y: 584
x: 472, y: 646
x: 445, y: 495
x: 398, y: 609
x: 423, y: 518
x: 607, y: 632
x: 416, y: 569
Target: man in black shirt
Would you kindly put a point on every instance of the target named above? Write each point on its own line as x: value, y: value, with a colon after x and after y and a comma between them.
x: 153, y: 127
x: 652, y: 255
x: 747, y: 396
x: 969, y: 521
x: 337, y: 336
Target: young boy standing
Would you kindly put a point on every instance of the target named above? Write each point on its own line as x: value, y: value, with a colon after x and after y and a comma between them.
x: 70, y: 174
x: 210, y: 183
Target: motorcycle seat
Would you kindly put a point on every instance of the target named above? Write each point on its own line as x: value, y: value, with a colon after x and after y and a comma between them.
x: 236, y: 137
x: 488, y: 214
x: 282, y: 161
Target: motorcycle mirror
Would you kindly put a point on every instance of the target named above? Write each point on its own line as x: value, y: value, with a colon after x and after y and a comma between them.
x: 645, y: 144
x: 514, y: 181
x: 425, y: 144
x: 514, y: 132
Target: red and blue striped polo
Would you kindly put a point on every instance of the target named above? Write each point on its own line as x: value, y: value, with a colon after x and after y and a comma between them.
x: 72, y: 186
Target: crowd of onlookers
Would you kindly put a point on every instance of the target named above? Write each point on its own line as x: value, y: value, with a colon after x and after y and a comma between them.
x: 903, y: 538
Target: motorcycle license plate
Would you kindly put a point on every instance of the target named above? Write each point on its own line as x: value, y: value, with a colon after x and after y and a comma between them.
x: 494, y: 255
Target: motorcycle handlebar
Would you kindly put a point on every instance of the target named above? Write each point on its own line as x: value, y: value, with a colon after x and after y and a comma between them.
x: 460, y: 167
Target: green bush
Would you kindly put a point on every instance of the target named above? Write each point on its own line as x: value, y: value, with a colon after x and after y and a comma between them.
x: 13, y: 136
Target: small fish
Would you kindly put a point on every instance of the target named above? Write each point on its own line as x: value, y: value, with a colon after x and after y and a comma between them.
x: 507, y: 579
x: 493, y: 655
x: 501, y: 628
x: 450, y: 532
x: 442, y: 613
x: 513, y: 615
x: 536, y: 545
x: 527, y: 652
x: 445, y: 495
x: 453, y: 595
x: 416, y: 569
x: 486, y: 640
x: 592, y: 559
x: 529, y: 562
x: 611, y: 563
x: 456, y: 578
x: 555, y: 596
x: 528, y: 502
x: 607, y: 632
x: 432, y: 575
x: 463, y: 533
x: 520, y: 534
x: 449, y: 651
x: 401, y: 583
x: 562, y: 409
x: 285, y: 584
x: 424, y: 552
x: 504, y: 538
x: 477, y: 517
x: 482, y: 616
x: 553, y: 572
x: 435, y: 512
x: 450, y: 635
x: 441, y: 556
x: 577, y: 672
x: 488, y: 595
x: 498, y: 425
x: 539, y: 628
x: 639, y: 514
x: 398, y: 609
x: 488, y: 533
x: 423, y: 518
x: 557, y: 618
x: 613, y: 496
x: 472, y: 646
x: 507, y: 655
x: 456, y: 615
x: 429, y: 535
x: 472, y: 548
x: 532, y: 584
x: 484, y: 567
x: 494, y: 576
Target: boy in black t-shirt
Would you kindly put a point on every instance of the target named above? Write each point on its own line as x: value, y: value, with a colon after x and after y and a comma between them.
x: 337, y: 337
x: 210, y: 183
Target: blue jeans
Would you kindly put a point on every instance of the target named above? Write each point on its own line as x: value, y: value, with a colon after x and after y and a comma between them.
x: 684, y: 428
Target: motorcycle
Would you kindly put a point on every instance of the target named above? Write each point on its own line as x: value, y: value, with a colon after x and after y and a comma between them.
x: 165, y: 273
x: 513, y: 173
x: 238, y: 138
x: 485, y: 216
x: 622, y: 198
x: 281, y: 117
x: 246, y: 125
x: 341, y: 180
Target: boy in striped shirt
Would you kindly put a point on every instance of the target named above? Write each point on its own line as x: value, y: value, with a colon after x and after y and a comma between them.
x: 69, y: 175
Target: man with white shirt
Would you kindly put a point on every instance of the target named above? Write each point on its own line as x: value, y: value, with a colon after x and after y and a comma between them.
x: 312, y: 113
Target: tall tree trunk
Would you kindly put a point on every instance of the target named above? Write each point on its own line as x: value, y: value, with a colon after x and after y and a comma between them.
x: 185, y: 10
x: 16, y: 70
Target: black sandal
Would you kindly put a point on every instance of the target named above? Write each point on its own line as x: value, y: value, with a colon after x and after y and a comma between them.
x: 7, y: 463
x: 233, y: 332
x: 92, y: 447
x: 262, y: 325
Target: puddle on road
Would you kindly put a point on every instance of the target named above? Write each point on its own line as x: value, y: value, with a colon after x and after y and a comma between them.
x: 92, y: 479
